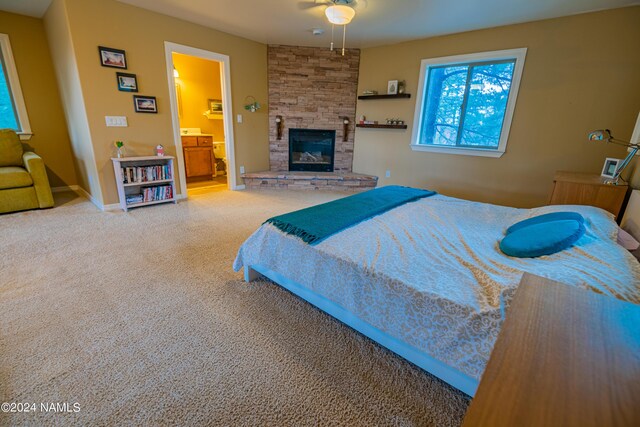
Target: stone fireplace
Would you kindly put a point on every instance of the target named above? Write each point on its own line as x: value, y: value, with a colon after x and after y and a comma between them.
x: 312, y: 90
x: 311, y: 150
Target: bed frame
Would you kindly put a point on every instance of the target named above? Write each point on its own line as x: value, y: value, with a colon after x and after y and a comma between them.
x: 452, y: 376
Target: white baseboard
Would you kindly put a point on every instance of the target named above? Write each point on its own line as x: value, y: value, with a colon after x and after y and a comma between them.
x: 73, y: 188
x: 238, y: 187
x: 82, y: 192
x: 112, y: 207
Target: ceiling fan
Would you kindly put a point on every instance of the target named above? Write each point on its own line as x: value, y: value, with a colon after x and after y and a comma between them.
x: 310, y: 4
x: 338, y: 12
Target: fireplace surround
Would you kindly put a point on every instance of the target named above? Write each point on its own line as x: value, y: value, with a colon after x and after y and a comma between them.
x: 311, y: 88
x: 311, y: 150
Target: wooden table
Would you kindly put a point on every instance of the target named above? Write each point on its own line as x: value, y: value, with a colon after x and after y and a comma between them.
x: 574, y: 188
x: 564, y: 357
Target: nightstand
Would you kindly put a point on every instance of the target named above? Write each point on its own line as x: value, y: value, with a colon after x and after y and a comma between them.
x: 565, y: 356
x: 573, y: 188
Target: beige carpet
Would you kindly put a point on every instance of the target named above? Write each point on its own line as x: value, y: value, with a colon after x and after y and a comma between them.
x: 140, y: 319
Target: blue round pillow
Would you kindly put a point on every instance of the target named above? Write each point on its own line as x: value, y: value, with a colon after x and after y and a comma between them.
x: 542, y: 239
x: 553, y: 216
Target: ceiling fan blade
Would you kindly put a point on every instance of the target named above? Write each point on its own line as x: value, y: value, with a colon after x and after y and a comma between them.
x: 310, y: 4
x: 360, y: 4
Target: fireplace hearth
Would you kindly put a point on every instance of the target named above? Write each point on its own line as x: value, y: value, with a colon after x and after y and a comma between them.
x: 312, y: 150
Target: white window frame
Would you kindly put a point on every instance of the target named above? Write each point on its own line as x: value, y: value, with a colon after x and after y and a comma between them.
x: 15, y: 88
x: 497, y: 55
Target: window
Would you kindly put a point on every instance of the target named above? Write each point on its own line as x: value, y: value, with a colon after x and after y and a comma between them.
x: 13, y: 113
x: 465, y: 103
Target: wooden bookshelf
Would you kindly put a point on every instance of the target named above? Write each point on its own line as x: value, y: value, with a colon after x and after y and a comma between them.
x: 130, y: 188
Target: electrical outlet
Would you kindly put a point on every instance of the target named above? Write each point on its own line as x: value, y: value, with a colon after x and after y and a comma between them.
x: 387, y: 174
x: 241, y: 169
x: 239, y: 118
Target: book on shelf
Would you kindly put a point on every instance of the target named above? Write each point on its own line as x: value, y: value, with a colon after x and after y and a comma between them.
x: 139, y: 174
x: 134, y: 198
x: 151, y: 194
x: 162, y: 192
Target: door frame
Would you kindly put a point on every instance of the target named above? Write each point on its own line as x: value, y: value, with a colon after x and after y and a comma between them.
x: 225, y: 79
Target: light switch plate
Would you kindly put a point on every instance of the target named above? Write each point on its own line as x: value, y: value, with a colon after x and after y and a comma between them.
x: 239, y: 118
x: 116, y: 121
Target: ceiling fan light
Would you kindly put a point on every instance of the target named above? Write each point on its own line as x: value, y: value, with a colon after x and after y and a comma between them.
x: 340, y: 14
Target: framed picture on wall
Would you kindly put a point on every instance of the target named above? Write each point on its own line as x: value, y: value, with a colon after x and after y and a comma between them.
x: 215, y: 106
x: 392, y: 87
x: 609, y: 168
x: 127, y: 82
x: 145, y: 104
x: 110, y: 57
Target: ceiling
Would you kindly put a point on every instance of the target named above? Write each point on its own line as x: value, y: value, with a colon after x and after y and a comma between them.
x: 377, y: 22
x: 35, y: 8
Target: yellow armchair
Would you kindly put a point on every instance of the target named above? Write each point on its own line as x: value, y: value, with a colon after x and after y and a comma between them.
x: 23, y: 177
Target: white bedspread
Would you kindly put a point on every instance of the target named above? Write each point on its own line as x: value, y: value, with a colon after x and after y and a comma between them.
x: 430, y: 272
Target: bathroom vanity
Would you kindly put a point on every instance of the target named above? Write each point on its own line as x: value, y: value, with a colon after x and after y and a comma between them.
x: 199, y: 160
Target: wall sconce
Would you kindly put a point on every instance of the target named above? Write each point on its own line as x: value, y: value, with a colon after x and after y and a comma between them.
x: 279, y: 126
x: 345, y: 128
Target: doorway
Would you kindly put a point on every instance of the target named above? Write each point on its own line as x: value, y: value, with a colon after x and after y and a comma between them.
x: 202, y: 120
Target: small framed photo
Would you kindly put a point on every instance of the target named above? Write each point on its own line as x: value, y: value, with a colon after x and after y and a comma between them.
x: 127, y: 82
x: 392, y: 87
x: 215, y: 106
x: 609, y: 168
x: 110, y: 57
x: 145, y: 104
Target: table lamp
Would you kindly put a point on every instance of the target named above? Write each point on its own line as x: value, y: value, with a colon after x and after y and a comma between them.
x: 605, y: 135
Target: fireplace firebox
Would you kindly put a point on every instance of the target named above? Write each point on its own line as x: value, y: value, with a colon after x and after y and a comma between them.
x: 311, y: 150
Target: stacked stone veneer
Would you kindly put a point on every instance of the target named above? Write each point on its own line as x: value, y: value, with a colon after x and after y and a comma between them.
x: 311, y: 88
x: 346, y: 181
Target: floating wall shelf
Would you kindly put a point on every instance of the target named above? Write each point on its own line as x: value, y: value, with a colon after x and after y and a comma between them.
x: 396, y: 96
x: 382, y: 126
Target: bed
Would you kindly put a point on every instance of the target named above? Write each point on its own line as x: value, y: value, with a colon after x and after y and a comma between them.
x: 427, y: 279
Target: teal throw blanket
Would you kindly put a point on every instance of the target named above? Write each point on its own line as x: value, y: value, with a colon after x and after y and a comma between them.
x: 316, y: 223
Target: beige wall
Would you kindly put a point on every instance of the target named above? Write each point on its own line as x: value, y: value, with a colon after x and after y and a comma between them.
x: 62, y: 52
x: 199, y: 81
x: 142, y: 35
x: 40, y: 91
x: 581, y: 73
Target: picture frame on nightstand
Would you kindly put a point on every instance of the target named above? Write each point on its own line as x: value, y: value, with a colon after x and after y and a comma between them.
x: 610, y: 167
